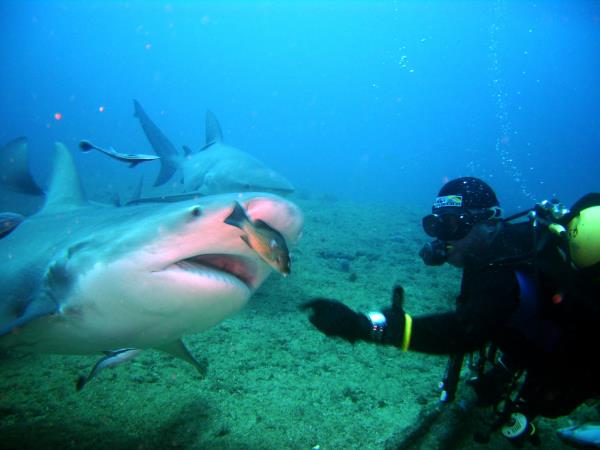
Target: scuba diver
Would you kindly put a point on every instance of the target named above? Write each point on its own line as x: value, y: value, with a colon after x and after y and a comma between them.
x: 528, y: 305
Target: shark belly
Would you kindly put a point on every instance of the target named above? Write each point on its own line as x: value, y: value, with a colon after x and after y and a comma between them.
x: 118, y: 305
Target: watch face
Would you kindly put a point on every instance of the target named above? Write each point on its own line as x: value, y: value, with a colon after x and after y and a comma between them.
x: 376, y: 318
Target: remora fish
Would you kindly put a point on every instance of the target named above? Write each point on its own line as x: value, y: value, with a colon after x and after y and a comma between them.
x: 132, y: 158
x: 8, y: 222
x: 586, y: 435
x: 112, y: 359
x: 82, y: 278
x: 215, y: 169
x: 263, y: 239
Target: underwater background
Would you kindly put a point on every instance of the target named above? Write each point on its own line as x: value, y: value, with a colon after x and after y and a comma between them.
x: 377, y: 101
x: 367, y: 107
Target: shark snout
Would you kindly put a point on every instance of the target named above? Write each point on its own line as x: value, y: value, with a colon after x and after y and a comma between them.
x: 273, y: 182
x: 204, y: 244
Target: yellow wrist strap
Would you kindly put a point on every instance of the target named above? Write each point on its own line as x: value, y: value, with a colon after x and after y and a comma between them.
x: 407, y: 332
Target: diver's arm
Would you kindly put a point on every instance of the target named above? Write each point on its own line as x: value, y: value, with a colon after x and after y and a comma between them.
x: 388, y: 326
x: 434, y: 334
x: 491, y: 301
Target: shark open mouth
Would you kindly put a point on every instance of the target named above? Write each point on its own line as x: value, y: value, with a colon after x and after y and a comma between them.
x: 244, y: 269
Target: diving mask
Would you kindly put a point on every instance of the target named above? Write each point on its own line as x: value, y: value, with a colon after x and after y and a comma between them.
x: 455, y: 225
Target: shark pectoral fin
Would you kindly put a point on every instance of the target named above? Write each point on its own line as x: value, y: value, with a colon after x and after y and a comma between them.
x: 112, y: 358
x: 179, y: 350
x: 35, y: 310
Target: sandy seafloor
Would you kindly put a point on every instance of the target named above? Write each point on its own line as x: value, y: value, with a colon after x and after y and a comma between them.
x: 273, y: 382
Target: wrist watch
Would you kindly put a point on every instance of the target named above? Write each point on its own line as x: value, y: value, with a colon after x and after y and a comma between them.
x: 378, y: 324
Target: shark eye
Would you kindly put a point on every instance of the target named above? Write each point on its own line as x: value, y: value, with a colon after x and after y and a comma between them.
x: 196, y: 211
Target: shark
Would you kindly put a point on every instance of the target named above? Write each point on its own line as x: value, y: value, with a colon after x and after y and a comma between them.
x: 81, y: 278
x: 19, y: 192
x: 216, y: 168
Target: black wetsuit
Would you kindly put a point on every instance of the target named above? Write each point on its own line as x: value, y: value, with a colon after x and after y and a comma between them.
x: 554, y: 345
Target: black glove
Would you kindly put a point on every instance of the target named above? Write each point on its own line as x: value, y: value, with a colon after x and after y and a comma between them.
x: 394, y: 314
x: 333, y: 318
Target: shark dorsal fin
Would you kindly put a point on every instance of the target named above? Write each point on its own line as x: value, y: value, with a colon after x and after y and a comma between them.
x: 65, y: 191
x: 213, y: 129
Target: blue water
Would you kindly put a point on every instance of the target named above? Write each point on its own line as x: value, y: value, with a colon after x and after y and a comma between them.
x: 374, y: 101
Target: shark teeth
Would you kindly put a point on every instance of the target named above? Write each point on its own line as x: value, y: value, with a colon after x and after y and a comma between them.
x: 244, y: 269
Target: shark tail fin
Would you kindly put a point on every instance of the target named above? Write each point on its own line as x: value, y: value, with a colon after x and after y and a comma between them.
x: 238, y: 216
x: 14, y: 168
x: 167, y: 169
x: 65, y: 190
x: 213, y: 130
x: 162, y: 146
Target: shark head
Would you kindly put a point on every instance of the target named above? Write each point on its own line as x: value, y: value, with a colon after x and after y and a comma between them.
x: 222, y: 168
x: 180, y: 270
x: 138, y: 276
